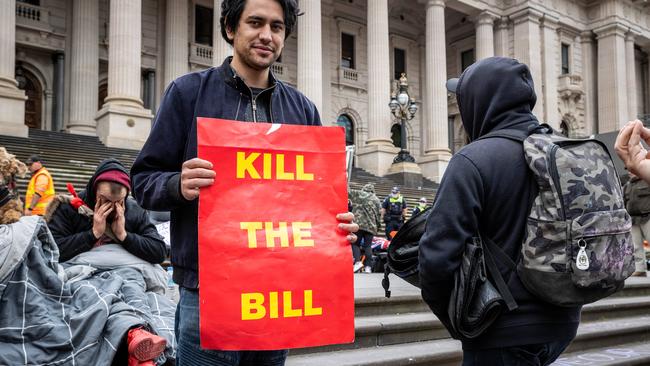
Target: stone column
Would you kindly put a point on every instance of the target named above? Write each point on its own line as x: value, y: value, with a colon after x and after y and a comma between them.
x: 631, y: 76
x: 613, y: 109
x: 150, y: 92
x: 437, y: 152
x: 527, y: 49
x: 220, y: 48
x: 176, y: 46
x: 550, y: 46
x: 84, y: 64
x: 12, y: 99
x: 59, y: 91
x: 484, y: 36
x: 377, y: 156
x: 310, y: 52
x: 589, y: 81
x: 123, y: 122
x: 501, y: 46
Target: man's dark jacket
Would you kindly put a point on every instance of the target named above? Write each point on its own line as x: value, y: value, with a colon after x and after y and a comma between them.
x: 216, y: 93
x: 73, y: 232
x: 488, y: 188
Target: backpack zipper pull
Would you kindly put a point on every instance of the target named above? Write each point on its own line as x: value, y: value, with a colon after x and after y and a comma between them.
x: 582, y: 260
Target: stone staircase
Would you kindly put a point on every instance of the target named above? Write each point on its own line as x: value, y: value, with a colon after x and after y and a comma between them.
x: 69, y: 158
x: 73, y: 158
x: 402, y: 331
x: 396, y: 331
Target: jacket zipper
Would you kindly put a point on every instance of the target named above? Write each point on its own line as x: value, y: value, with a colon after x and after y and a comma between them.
x: 254, y: 102
x: 254, y: 105
x: 238, y: 105
x: 556, y: 178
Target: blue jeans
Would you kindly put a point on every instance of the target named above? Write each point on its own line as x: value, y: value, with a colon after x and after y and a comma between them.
x: 528, y: 355
x: 190, y: 353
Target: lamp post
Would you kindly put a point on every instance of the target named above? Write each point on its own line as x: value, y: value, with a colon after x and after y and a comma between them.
x: 403, y: 108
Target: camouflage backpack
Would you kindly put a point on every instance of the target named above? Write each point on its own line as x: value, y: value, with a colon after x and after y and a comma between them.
x: 578, y: 246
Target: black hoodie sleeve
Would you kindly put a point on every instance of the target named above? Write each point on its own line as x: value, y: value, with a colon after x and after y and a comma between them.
x: 142, y: 238
x: 453, y: 221
x: 64, y: 225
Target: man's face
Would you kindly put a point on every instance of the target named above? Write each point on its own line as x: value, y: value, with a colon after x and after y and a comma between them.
x: 107, y: 194
x: 35, y: 166
x: 259, y: 38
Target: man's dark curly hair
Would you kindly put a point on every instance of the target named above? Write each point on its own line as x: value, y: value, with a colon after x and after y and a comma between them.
x: 231, y: 11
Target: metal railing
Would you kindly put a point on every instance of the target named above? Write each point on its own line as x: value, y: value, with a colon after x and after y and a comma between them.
x: 201, y: 54
x: 31, y: 13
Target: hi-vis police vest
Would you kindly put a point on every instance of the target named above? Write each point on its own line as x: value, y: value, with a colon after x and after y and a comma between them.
x: 46, y: 197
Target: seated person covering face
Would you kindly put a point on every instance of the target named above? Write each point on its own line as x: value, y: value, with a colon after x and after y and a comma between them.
x: 117, y: 218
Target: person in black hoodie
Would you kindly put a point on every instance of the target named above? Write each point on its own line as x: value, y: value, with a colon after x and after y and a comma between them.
x: 488, y: 189
x: 117, y: 218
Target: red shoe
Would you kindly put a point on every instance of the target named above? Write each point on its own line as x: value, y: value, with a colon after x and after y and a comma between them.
x: 135, y: 362
x: 144, y: 346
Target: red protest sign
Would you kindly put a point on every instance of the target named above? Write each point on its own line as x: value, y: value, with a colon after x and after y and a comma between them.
x: 274, y: 269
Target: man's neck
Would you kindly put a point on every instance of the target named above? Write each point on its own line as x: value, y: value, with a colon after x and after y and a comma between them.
x: 253, y: 78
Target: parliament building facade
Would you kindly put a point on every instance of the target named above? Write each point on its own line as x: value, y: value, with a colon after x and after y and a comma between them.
x: 99, y: 67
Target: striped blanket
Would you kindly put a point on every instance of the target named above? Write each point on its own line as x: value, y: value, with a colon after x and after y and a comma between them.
x: 77, y: 315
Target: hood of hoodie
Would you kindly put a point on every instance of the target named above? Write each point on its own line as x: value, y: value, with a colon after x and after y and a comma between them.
x: 109, y: 164
x: 369, y: 187
x: 367, y: 191
x: 496, y: 93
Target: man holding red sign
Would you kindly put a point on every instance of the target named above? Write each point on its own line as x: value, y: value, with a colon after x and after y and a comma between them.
x: 168, y: 176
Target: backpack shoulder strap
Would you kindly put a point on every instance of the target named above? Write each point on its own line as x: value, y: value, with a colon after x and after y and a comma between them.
x: 518, y: 135
x: 489, y: 248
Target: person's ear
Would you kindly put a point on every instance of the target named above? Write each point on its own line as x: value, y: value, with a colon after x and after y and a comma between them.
x: 230, y: 33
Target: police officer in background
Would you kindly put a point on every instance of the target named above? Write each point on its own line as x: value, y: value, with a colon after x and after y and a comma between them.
x: 40, y: 190
x: 393, y: 211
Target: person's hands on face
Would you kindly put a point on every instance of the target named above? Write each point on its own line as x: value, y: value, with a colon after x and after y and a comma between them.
x: 118, y: 224
x: 195, y: 174
x: 102, y: 210
x: 629, y: 148
x: 348, y: 225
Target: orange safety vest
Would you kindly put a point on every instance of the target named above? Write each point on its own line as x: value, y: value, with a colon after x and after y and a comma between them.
x: 46, y: 197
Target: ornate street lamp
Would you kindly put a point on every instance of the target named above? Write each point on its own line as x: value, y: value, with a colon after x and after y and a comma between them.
x: 403, y: 108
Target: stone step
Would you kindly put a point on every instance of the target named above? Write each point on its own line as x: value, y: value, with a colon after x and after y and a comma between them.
x: 405, y: 298
x: 445, y: 352
x: 620, y: 355
x: 608, y: 333
x: 591, y: 337
x: 381, y: 330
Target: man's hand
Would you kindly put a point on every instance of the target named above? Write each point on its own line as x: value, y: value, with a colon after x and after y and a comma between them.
x: 118, y: 225
x: 102, y: 210
x: 348, y: 226
x: 629, y: 148
x: 196, y: 173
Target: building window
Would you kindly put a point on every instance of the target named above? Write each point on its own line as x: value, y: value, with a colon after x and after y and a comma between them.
x: 347, y: 51
x: 466, y: 59
x: 452, y: 134
x: 346, y: 122
x: 399, y: 60
x: 31, y: 2
x: 203, y: 18
x: 396, y: 135
x: 564, y: 129
x: 565, y: 59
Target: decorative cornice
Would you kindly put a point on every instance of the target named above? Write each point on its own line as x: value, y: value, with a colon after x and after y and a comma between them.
x: 611, y: 29
x: 485, y: 18
x: 430, y: 3
x: 527, y: 14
